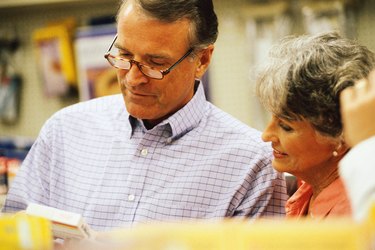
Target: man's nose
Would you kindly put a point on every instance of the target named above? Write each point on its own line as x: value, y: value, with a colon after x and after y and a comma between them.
x: 134, y: 76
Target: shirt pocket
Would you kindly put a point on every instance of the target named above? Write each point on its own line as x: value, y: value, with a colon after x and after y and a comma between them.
x: 170, y: 210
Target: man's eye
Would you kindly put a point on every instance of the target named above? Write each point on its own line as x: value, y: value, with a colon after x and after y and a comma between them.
x: 157, y: 63
x: 125, y: 55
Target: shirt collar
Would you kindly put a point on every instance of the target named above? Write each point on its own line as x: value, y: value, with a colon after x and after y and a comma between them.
x: 328, y: 198
x: 298, y: 203
x: 190, y: 115
x: 184, y: 119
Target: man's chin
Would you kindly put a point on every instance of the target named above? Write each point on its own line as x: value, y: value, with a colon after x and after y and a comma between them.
x: 145, y: 116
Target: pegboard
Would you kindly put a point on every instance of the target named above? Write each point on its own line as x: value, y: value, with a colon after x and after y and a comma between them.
x: 36, y: 108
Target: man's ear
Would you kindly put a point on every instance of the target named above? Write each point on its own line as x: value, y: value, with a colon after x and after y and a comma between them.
x: 204, y: 61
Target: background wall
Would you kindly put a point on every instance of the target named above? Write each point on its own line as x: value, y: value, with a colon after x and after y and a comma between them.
x: 230, y: 84
x: 35, y: 107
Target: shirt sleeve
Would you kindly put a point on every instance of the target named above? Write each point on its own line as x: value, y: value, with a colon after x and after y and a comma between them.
x: 266, y: 192
x: 275, y: 196
x: 357, y: 169
x: 30, y: 183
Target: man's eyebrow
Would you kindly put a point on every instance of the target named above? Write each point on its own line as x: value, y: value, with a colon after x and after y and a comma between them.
x: 156, y: 56
x: 118, y: 46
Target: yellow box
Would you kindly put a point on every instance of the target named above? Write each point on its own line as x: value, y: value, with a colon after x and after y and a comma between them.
x: 21, y: 232
x: 264, y: 234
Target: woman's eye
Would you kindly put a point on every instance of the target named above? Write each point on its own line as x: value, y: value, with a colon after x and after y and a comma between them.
x: 285, y: 127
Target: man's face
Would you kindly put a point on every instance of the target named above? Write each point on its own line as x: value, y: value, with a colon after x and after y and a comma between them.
x: 158, y: 45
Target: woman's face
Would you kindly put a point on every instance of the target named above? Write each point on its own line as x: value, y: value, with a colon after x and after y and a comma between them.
x: 297, y: 148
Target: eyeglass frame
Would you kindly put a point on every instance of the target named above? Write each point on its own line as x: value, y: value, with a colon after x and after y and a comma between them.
x: 140, y: 65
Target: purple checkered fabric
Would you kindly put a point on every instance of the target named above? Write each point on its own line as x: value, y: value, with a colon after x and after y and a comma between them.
x: 94, y: 159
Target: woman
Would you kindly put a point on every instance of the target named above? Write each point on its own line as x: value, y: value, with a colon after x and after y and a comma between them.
x: 300, y: 86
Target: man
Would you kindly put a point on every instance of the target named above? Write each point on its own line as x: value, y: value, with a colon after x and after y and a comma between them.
x: 170, y: 155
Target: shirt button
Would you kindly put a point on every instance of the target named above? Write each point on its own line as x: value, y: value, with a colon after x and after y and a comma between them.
x: 144, y: 152
x: 131, y: 197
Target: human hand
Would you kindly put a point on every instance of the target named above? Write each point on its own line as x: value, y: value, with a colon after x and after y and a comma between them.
x: 358, y: 110
x: 72, y: 244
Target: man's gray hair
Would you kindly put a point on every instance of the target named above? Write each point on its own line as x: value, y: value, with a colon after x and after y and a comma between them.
x: 204, y: 29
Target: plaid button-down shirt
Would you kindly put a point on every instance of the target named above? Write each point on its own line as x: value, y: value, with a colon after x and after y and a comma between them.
x: 94, y: 159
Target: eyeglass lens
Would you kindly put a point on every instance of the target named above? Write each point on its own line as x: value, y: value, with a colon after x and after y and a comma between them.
x: 125, y: 64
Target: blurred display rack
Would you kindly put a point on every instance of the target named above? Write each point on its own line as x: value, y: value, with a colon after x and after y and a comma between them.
x: 10, y: 7
x: 25, y: 3
x: 2, y: 200
x: 15, y: 147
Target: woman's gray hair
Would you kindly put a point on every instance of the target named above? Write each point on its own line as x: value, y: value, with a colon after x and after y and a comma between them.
x: 204, y: 29
x: 305, y: 75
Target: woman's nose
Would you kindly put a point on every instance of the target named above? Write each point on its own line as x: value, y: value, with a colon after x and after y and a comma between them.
x: 269, y: 131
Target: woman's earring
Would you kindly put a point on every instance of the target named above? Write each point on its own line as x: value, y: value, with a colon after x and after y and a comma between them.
x: 335, y: 154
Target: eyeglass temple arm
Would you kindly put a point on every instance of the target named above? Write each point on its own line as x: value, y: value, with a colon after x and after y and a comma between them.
x: 110, y: 47
x: 176, y: 63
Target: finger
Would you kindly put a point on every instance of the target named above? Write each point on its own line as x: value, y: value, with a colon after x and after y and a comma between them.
x: 371, y: 80
x: 347, y: 95
x: 361, y: 87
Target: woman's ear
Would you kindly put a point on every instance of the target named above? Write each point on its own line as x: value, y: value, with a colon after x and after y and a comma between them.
x: 204, y: 61
x: 341, y: 148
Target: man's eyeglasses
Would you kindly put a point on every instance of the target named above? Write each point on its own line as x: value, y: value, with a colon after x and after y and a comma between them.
x: 122, y: 63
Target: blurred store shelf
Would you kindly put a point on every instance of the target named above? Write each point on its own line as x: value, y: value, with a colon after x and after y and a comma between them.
x: 2, y: 200
x: 25, y: 3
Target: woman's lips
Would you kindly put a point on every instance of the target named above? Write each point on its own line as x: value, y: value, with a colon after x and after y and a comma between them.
x: 279, y: 154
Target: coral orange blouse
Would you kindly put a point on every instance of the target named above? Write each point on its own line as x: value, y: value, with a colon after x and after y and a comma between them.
x: 332, y: 201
